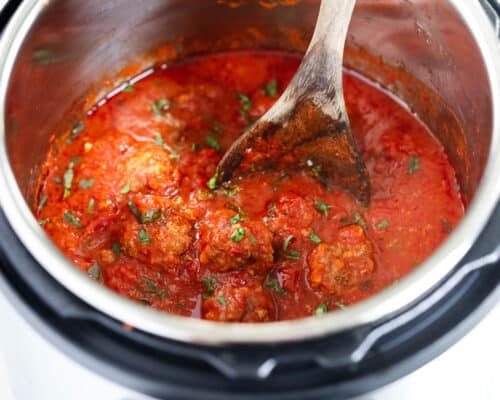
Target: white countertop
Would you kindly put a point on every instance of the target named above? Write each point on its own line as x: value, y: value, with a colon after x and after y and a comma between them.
x: 469, y: 370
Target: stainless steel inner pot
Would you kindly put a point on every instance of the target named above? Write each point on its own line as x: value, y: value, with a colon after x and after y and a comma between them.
x: 55, y: 53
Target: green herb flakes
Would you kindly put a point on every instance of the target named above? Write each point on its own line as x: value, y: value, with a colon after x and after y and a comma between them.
x: 273, y: 284
x: 159, y: 139
x: 133, y: 208
x: 231, y: 192
x: 246, y: 103
x: 90, y: 206
x: 382, y: 224
x: 252, y: 239
x: 159, y: 106
x: 271, y: 88
x: 413, y: 165
x: 236, y: 218
x: 286, y: 243
x: 212, y: 182
x: 86, y: 183
x: 116, y: 248
x: 358, y: 219
x: 446, y: 225
x: 217, y: 128
x: 94, y: 272
x: 238, y: 234
x: 57, y: 180
x: 152, y: 215
x: 152, y: 289
x: 340, y: 305
x: 43, y: 221
x: 314, y: 238
x: 144, y: 237
x: 210, y: 286
x: 78, y: 127
x: 125, y: 189
x: 293, y: 255
x: 69, y: 217
x: 69, y: 174
x: 43, y: 201
x: 212, y: 142
x: 322, y: 309
x: 221, y: 300
x: 128, y: 88
x: 322, y: 207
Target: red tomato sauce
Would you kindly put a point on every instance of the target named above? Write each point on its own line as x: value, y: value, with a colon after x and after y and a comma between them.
x: 127, y: 195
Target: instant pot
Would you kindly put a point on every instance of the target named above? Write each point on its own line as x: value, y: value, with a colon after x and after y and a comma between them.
x: 442, y: 58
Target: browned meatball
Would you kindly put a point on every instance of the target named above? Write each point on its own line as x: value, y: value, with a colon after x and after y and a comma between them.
x: 239, y: 300
x: 343, y: 264
x: 148, y: 168
x: 290, y: 211
x: 229, y: 242
x: 161, y: 239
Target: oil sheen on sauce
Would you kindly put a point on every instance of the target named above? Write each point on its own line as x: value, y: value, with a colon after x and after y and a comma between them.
x: 128, y: 195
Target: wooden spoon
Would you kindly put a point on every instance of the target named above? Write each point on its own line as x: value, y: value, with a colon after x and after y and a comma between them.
x: 308, y: 126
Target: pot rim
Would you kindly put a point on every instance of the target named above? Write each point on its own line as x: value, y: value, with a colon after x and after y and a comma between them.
x: 387, y: 302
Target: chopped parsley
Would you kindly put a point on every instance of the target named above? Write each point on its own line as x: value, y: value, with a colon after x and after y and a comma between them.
x: 238, y: 234
x: 344, y: 220
x: 159, y: 139
x: 86, y: 183
x: 358, y: 219
x: 322, y: 207
x: 116, y: 248
x: 129, y: 88
x: 236, y: 218
x: 217, y: 128
x: 152, y: 215
x: 286, y: 243
x: 382, y: 224
x: 153, y: 289
x: 293, y: 255
x: 78, y: 127
x: 43, y: 201
x: 133, y: 208
x: 57, y: 180
x: 322, y: 309
x: 233, y: 191
x: 210, y: 285
x: 221, y: 300
x: 212, y: 142
x: 413, y: 165
x: 271, y: 88
x: 125, y: 189
x: 274, y: 285
x: 69, y: 217
x: 314, y: 237
x: 159, y: 106
x: 69, y: 174
x: 43, y: 221
x: 90, y: 205
x: 446, y: 225
x: 340, y: 305
x: 144, y: 237
x: 94, y: 272
x: 252, y: 239
x: 212, y: 182
x: 246, y: 103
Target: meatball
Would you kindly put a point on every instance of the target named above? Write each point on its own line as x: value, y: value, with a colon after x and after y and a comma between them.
x: 290, y: 211
x: 229, y: 242
x: 239, y: 300
x: 159, y: 242
x: 148, y: 168
x: 344, y: 264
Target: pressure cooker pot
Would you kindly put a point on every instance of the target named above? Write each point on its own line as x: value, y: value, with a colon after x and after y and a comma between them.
x: 441, y: 58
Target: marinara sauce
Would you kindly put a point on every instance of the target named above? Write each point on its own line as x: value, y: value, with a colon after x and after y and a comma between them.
x: 129, y: 196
